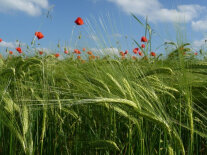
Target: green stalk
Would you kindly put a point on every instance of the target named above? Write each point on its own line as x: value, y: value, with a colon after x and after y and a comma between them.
x: 190, y: 115
x: 44, y: 110
x: 43, y: 127
x: 11, y: 142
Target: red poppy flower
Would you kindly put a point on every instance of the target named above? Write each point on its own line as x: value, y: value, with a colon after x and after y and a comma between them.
x: 196, y: 53
x: 10, y: 52
x: 126, y: 52
x: 153, y: 54
x: 93, y: 56
x: 79, y: 52
x: 143, y: 45
x: 135, y: 50
x: 57, y: 55
x: 76, y: 51
x: 122, y: 53
x: 39, y: 35
x: 140, y: 53
x: 66, y: 52
x: 19, y: 49
x: 0, y: 40
x: 79, y: 57
x: 40, y: 52
x: 89, y: 53
x: 79, y: 21
x: 84, y: 49
x: 144, y: 39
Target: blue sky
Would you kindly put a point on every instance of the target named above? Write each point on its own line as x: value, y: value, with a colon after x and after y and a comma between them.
x: 108, y: 23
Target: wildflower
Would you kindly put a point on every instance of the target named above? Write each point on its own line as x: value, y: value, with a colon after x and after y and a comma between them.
x: 143, y: 45
x: 133, y: 57
x: 89, y: 53
x: 140, y: 53
x: 84, y: 49
x: 135, y: 50
x: 57, y: 55
x: 39, y: 35
x: 40, y: 52
x: 79, y: 52
x: 79, y: 21
x: 79, y: 57
x: 144, y: 39
x: 93, y: 56
x: 0, y: 40
x: 126, y: 52
x: 122, y: 53
x: 196, y: 53
x: 153, y: 54
x: 76, y: 51
x: 90, y: 57
x: 19, y: 49
x: 66, y: 52
x: 10, y: 52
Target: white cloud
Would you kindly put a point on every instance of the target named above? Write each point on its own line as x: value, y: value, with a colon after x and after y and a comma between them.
x: 8, y: 44
x: 111, y: 51
x: 200, y: 25
x: 157, y: 12
x: 106, y: 51
x: 31, y: 7
x: 199, y: 43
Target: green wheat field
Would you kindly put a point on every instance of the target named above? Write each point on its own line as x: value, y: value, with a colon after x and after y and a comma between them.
x: 102, y: 105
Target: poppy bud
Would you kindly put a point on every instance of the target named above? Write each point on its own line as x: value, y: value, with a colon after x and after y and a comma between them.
x: 153, y: 54
x: 144, y: 39
x: 79, y: 21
